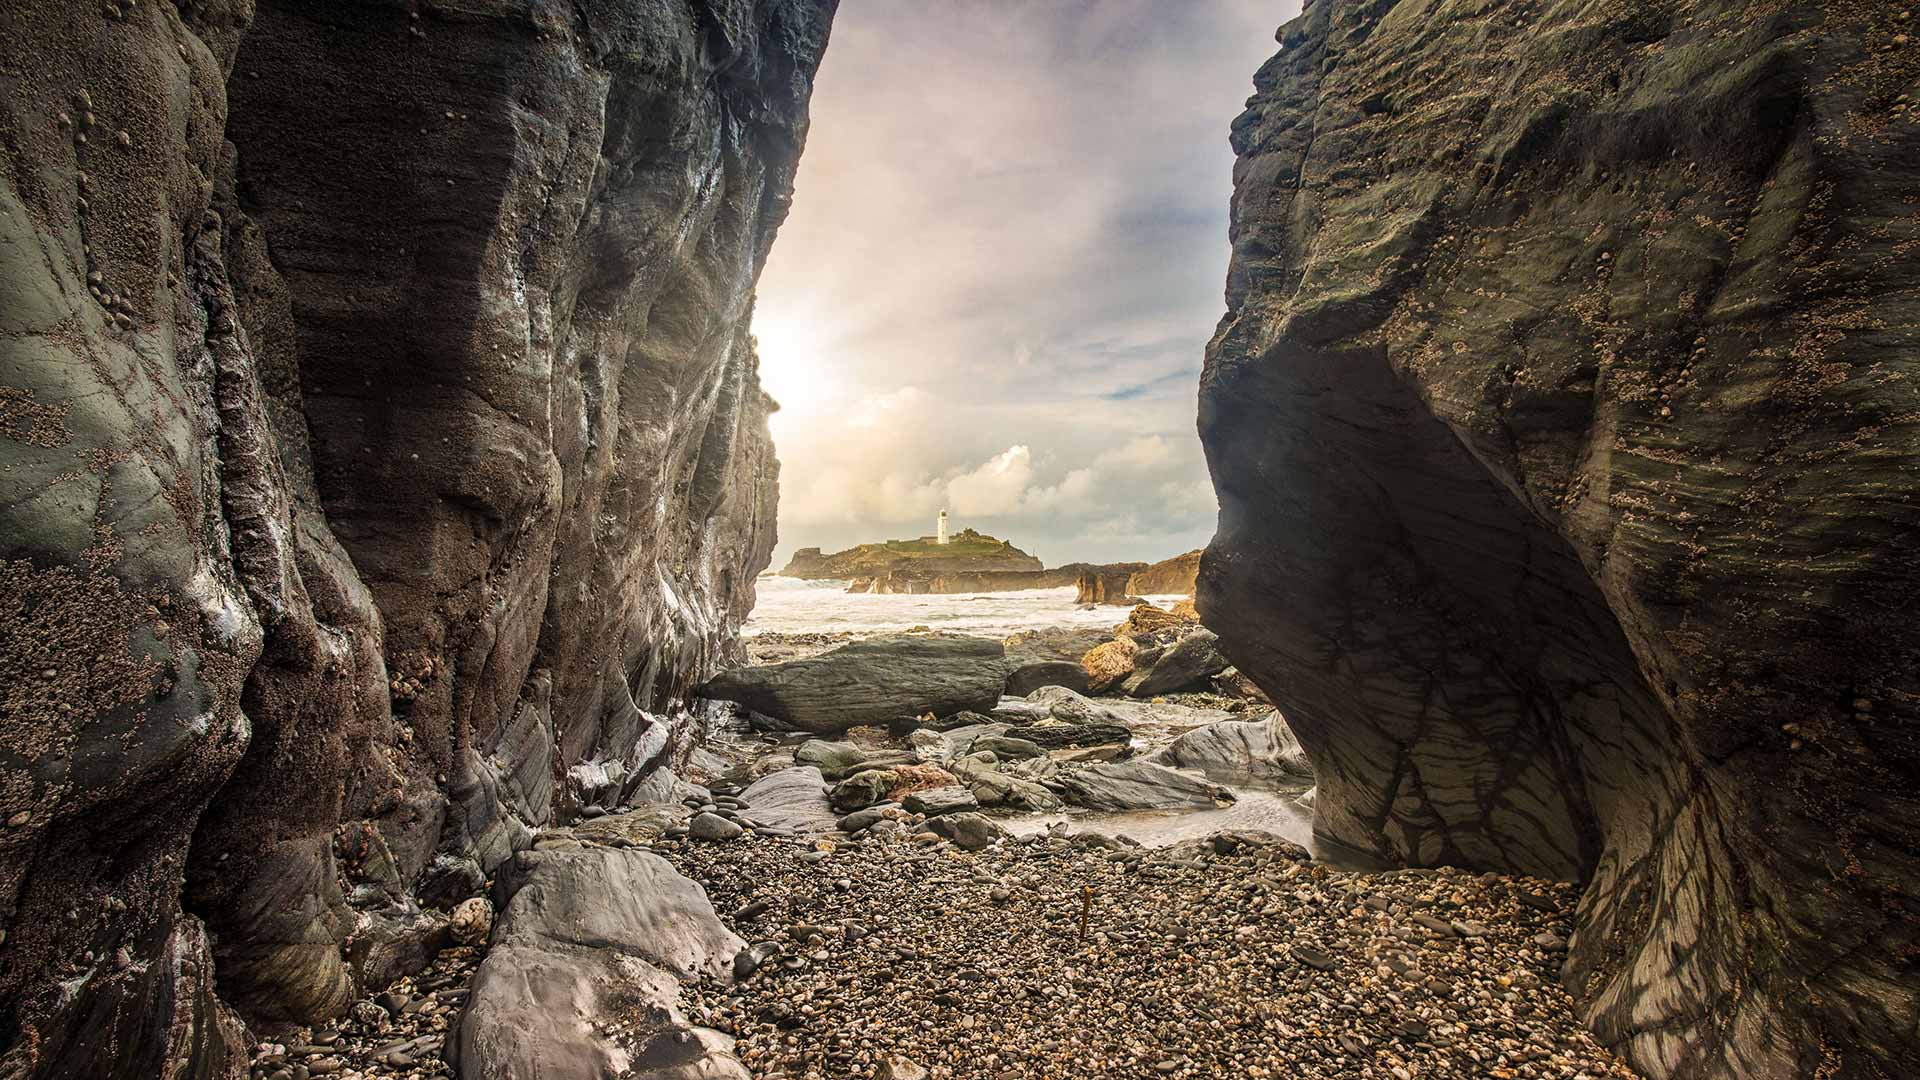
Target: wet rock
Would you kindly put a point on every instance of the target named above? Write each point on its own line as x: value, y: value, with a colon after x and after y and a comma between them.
x: 1240, y: 750
x: 1565, y: 641
x: 871, y: 682
x: 223, y: 483
x: 1235, y: 683
x: 860, y: 819
x: 1137, y: 785
x: 991, y: 787
x: 1190, y: 661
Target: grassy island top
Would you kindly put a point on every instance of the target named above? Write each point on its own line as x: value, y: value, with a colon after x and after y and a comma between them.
x: 965, y: 542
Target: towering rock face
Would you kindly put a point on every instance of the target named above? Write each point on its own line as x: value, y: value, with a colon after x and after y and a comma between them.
x: 1566, y: 427
x: 382, y: 442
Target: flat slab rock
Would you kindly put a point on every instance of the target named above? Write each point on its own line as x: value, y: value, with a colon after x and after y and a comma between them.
x: 871, y: 682
x: 792, y: 799
x: 583, y: 979
x: 1138, y: 785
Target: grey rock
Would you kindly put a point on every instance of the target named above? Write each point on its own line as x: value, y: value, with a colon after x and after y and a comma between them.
x: 871, y: 682
x: 713, y: 827
x: 1241, y: 750
x: 1190, y: 661
x: 862, y: 790
x: 992, y: 787
x: 1137, y: 785
x: 793, y: 799
x: 1064, y: 704
x: 365, y: 447
x: 961, y: 739
x: 1027, y: 678
x: 590, y: 940
x: 941, y: 800
x: 860, y: 819
x: 931, y: 746
x: 1006, y: 747
x: 839, y: 759
x: 968, y: 831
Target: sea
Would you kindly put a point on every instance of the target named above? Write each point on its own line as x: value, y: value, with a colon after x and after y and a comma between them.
x: 793, y: 606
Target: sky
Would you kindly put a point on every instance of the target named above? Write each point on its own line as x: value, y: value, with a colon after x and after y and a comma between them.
x: 1007, y: 249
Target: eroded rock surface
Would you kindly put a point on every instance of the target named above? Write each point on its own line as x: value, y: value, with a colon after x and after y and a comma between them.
x: 583, y: 980
x: 1565, y: 426
x: 381, y: 437
x: 871, y: 682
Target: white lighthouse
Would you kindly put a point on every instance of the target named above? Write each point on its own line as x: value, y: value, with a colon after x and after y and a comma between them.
x: 940, y: 535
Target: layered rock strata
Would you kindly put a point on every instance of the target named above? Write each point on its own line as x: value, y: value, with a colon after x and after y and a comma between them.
x: 382, y: 439
x: 1565, y: 427
x: 1168, y: 577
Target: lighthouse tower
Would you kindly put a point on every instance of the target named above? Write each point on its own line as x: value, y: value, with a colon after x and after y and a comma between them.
x: 940, y: 536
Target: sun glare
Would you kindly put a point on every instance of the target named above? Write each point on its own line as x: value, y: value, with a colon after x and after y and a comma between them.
x: 794, y: 366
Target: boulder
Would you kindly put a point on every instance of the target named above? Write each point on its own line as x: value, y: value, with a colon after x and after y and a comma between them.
x: 1027, y: 678
x: 861, y: 819
x: 794, y: 799
x: 993, y: 787
x: 1137, y: 785
x: 471, y: 921
x: 968, y: 831
x: 1191, y: 660
x: 941, y: 800
x: 838, y: 759
x: 871, y: 682
x: 591, y: 941
x: 1106, y: 584
x: 862, y: 790
x: 1145, y: 620
x: 1107, y: 664
x: 713, y: 827
x: 1063, y: 704
x: 1239, y: 750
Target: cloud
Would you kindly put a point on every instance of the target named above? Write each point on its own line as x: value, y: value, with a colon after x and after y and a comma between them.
x: 1005, y: 256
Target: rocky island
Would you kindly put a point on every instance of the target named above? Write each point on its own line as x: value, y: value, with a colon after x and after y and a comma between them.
x: 969, y: 561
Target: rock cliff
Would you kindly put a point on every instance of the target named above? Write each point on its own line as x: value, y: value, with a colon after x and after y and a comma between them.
x: 384, y: 456
x: 1168, y: 577
x: 1566, y: 428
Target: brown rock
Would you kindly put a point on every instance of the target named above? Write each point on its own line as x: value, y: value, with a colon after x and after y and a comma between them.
x: 1107, y: 664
